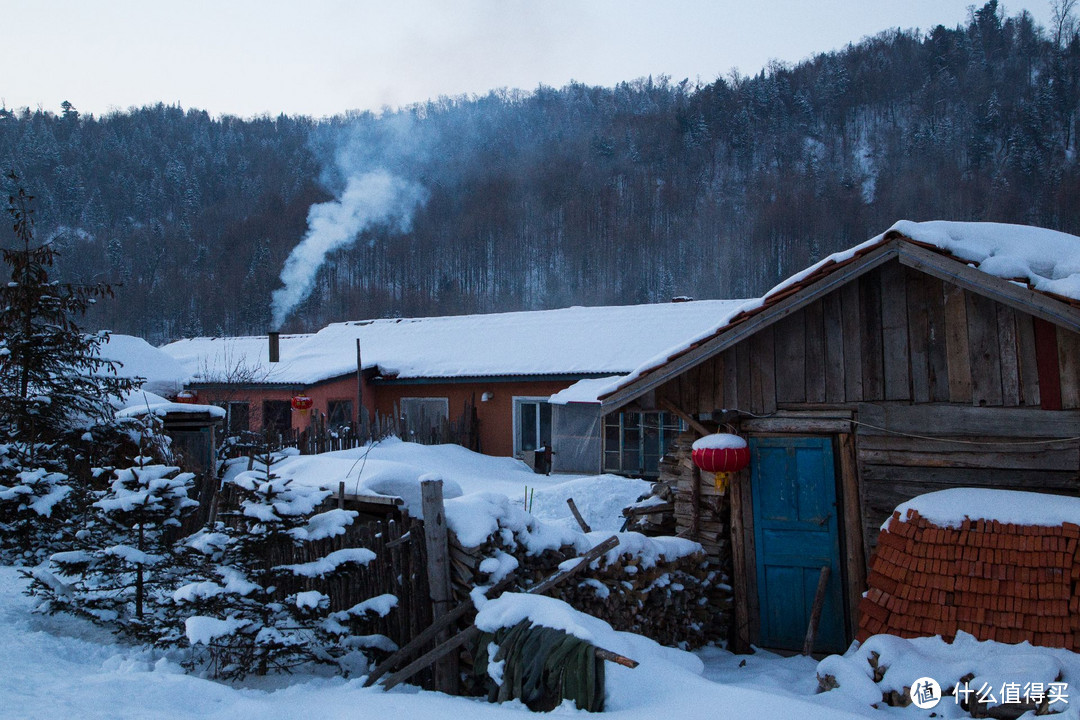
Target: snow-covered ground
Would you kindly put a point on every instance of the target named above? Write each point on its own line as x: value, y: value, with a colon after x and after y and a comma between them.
x: 63, y: 667
x: 59, y: 667
x: 393, y: 467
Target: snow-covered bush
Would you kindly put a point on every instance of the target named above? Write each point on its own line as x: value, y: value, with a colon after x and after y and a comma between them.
x: 253, y: 609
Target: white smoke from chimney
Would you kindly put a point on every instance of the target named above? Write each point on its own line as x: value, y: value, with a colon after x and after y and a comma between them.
x: 370, y: 198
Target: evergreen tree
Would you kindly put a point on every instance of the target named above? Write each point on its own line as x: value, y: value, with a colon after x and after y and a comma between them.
x: 52, y: 375
x: 250, y: 612
x: 124, y: 565
x: 53, y: 383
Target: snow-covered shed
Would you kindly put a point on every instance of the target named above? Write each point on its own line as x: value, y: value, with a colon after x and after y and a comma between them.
x: 429, y: 370
x: 194, y: 429
x: 935, y: 355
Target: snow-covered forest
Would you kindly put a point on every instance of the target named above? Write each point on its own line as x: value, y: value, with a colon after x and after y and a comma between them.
x: 558, y: 196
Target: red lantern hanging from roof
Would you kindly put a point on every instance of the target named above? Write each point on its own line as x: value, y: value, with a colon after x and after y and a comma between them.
x: 302, y: 402
x: 722, y: 454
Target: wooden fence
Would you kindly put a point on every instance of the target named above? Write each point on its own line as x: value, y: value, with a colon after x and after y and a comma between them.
x: 399, y: 569
x: 320, y: 437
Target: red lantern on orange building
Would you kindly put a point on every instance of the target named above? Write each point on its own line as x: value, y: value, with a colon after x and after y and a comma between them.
x: 302, y: 402
x: 722, y: 454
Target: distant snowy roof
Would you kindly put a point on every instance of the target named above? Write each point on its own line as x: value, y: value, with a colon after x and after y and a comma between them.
x: 568, y: 341
x: 135, y: 357
x: 1045, y: 260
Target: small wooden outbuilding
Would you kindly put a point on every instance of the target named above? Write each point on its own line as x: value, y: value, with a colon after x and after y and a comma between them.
x: 936, y: 355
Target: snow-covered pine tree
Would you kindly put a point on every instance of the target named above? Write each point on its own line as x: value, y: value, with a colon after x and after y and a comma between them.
x: 125, y: 562
x: 52, y: 380
x: 251, y: 611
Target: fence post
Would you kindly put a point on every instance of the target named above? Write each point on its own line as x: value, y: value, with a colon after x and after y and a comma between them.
x: 438, y: 571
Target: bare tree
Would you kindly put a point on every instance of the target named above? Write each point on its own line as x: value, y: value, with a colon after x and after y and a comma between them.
x: 1063, y: 21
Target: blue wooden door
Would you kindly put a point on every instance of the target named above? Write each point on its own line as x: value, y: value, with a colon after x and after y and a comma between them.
x: 793, y: 488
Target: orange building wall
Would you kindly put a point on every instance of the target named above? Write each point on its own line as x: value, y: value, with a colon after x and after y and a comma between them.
x: 254, y: 398
x: 496, y: 415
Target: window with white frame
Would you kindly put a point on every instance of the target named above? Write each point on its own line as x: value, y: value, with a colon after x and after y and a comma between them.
x: 634, y: 442
x: 532, y: 423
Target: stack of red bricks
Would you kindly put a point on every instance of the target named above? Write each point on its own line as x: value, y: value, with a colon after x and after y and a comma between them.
x: 996, y: 581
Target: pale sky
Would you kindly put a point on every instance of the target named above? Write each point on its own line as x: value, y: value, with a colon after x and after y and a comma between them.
x: 323, y: 57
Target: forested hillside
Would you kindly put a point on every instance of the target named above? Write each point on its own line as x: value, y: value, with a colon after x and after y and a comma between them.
x: 578, y: 195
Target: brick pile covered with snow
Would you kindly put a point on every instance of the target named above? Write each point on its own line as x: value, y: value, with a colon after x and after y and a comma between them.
x: 999, y: 565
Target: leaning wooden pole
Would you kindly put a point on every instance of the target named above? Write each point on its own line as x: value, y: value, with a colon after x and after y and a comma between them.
x: 472, y: 632
x: 438, y: 572
x: 815, y: 612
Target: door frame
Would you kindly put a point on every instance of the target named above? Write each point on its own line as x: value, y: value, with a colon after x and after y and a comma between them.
x: 747, y: 617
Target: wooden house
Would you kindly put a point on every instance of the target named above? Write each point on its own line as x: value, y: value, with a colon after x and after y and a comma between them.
x: 935, y: 355
x: 494, y: 372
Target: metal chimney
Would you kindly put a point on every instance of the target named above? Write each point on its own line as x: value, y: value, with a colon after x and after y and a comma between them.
x: 275, y: 351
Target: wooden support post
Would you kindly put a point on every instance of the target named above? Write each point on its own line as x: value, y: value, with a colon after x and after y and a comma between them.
x: 739, y: 571
x: 341, y: 494
x: 815, y: 612
x: 698, y: 427
x: 577, y: 516
x: 438, y: 571
x: 695, y: 503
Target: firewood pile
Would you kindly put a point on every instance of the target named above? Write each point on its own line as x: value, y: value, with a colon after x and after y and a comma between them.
x: 671, y: 601
x: 686, y: 503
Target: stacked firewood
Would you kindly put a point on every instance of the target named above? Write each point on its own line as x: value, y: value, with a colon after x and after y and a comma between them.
x: 676, y: 601
x: 702, y: 513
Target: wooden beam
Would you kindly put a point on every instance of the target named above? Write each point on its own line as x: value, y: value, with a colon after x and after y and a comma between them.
x: 698, y: 427
x: 815, y: 610
x: 854, y: 543
x: 1006, y: 292
x: 430, y: 633
x: 961, y: 420
x: 738, y: 490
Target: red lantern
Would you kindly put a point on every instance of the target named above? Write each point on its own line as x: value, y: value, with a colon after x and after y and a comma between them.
x: 722, y: 454
x: 189, y: 397
x: 302, y: 402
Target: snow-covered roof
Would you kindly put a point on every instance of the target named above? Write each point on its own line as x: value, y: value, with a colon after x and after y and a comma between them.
x: 134, y: 357
x: 1045, y: 260
x: 568, y: 341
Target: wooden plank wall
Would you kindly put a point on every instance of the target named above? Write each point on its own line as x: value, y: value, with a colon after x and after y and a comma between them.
x: 907, y: 450
x: 894, y: 334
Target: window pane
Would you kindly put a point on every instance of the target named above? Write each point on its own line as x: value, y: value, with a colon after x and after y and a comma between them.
x: 238, y: 417
x: 651, y: 442
x: 611, y: 461
x: 339, y: 413
x: 545, y: 424
x: 631, y: 456
x: 527, y: 425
